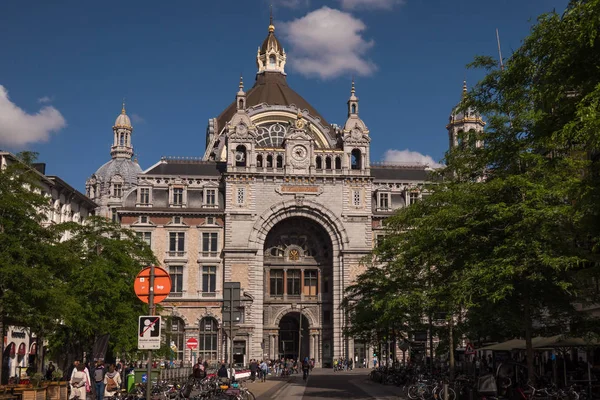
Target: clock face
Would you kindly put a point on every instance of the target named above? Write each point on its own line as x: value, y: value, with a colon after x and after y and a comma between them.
x: 299, y: 153
x: 241, y: 129
x: 356, y: 133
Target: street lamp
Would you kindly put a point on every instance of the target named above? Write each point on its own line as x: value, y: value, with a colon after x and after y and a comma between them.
x: 300, y: 308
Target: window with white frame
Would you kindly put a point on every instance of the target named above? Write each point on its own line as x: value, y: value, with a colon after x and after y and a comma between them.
x: 209, y: 244
x: 383, y: 201
x: 176, y: 272
x: 241, y: 195
x: 117, y: 190
x: 413, y: 197
x: 177, y: 220
x: 176, y: 244
x: 209, y: 279
x: 144, y: 219
x: 210, y: 197
x: 145, y: 236
x: 356, y: 198
x: 177, y: 196
x: 145, y: 196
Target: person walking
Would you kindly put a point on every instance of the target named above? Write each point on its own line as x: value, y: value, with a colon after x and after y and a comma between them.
x: 305, y: 368
x: 112, y: 381
x: 78, y: 383
x: 99, y: 379
x: 265, y: 370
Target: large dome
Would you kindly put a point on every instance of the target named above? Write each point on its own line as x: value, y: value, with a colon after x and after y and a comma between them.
x: 127, y: 169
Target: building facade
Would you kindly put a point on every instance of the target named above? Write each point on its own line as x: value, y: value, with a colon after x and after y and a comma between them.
x: 282, y: 201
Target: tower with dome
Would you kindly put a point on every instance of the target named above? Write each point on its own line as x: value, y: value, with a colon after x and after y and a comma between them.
x: 280, y: 200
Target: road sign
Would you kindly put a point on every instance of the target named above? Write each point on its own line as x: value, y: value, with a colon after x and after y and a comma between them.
x: 192, y: 343
x: 149, y: 332
x: 162, y: 284
x: 469, y: 349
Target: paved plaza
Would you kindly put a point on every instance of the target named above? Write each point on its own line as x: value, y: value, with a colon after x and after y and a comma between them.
x: 326, y: 384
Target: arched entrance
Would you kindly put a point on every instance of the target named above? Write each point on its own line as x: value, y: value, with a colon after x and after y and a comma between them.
x: 289, y: 333
x: 298, y: 278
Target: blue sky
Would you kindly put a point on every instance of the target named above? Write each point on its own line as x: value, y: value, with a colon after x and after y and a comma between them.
x: 67, y: 65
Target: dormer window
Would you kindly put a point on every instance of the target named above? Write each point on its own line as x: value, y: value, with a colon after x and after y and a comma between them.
x: 272, y: 61
x: 383, y: 201
x: 117, y: 190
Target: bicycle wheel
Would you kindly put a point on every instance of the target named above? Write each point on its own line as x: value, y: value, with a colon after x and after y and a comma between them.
x: 247, y: 395
x: 413, y: 392
x: 451, y: 394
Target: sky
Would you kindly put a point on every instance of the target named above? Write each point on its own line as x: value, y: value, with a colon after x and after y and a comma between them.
x: 67, y: 65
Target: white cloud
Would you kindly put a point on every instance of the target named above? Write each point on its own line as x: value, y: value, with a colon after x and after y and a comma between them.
x: 45, y: 99
x: 369, y: 4
x: 137, y: 119
x: 410, y: 157
x: 292, y: 3
x: 328, y: 43
x: 18, y: 128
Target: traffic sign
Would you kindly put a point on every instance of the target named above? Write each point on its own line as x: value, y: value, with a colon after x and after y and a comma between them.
x: 192, y: 343
x: 149, y: 332
x: 469, y: 349
x: 162, y: 284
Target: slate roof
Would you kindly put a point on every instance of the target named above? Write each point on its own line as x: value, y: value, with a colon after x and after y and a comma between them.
x: 270, y: 88
x: 188, y: 168
x: 399, y: 173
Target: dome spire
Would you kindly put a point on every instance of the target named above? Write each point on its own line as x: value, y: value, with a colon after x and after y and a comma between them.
x: 271, y: 26
x: 464, y: 89
x: 122, y: 147
x: 271, y: 56
x: 352, y: 101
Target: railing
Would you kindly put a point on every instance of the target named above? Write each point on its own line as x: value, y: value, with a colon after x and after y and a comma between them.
x: 176, y: 253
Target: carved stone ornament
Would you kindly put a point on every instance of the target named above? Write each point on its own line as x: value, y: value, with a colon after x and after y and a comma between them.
x: 356, y: 133
x: 241, y: 130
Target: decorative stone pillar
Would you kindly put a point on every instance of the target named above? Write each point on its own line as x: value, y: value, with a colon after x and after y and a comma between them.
x: 302, y: 284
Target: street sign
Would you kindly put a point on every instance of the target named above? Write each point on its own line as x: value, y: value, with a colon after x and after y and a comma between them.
x: 149, y: 332
x: 192, y: 343
x: 162, y: 284
x: 469, y: 349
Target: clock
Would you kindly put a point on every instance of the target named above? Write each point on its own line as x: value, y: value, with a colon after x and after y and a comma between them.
x: 299, y: 153
x: 356, y: 133
x: 241, y: 129
x: 300, y: 123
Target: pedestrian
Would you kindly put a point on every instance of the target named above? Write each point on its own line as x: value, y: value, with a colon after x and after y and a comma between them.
x: 78, y: 383
x: 305, y: 368
x: 99, y: 379
x: 112, y: 381
x: 265, y: 370
x: 222, y: 372
x: 253, y: 368
x: 49, y: 371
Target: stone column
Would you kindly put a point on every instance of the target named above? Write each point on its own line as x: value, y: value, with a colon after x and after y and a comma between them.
x: 285, y: 284
x: 302, y: 284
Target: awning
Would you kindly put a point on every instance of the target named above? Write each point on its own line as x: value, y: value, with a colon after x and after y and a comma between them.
x: 21, y: 349
x: 505, y: 346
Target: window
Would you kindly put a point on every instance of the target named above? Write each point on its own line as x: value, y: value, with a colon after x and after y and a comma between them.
x: 319, y: 162
x: 356, y: 198
x: 327, y: 162
x: 384, y: 201
x: 259, y: 161
x: 145, y: 236
x: 175, y: 337
x: 210, y: 221
x: 145, y: 196
x: 413, y: 197
x: 210, y: 197
x: 293, y: 282
x: 143, y: 219
x: 379, y: 239
x: 177, y: 220
x: 241, y: 196
x: 178, y: 196
x: 269, y: 161
x: 209, y: 279
x: 209, y: 244
x: 310, y: 282
x: 276, y: 282
x: 176, y: 272
x: 176, y: 244
x: 279, y: 162
x: 240, y: 156
x: 338, y: 163
x: 117, y: 190
x: 207, y: 348
x: 356, y: 158
x: 272, y: 61
x: 115, y: 217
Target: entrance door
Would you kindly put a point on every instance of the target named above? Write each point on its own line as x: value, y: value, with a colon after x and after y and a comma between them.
x: 239, y: 353
x: 289, y: 334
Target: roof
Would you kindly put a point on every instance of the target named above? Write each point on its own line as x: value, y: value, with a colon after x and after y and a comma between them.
x: 124, y: 167
x: 80, y: 197
x: 187, y: 168
x: 400, y: 173
x: 270, y: 88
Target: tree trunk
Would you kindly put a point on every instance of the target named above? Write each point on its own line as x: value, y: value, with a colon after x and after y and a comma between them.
x: 431, y: 343
x: 39, y: 343
x: 528, y: 344
x: 451, y: 346
x: 1, y: 347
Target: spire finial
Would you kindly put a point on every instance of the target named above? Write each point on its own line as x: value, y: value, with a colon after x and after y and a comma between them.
x: 271, y: 26
x: 464, y: 91
x: 352, y: 90
x: 123, y: 108
x: 241, y: 82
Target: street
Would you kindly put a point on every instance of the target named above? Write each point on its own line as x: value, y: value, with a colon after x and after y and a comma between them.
x: 326, y: 384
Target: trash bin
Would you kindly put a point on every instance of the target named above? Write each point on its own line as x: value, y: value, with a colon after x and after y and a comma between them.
x: 141, y: 376
x: 130, y: 381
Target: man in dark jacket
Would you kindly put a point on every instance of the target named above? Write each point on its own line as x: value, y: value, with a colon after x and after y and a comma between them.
x: 253, y: 369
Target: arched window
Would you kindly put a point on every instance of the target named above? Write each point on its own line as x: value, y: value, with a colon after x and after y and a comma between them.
x: 207, y: 349
x: 279, y: 162
x: 122, y: 139
x: 240, y: 156
x: 269, y: 161
x: 272, y: 61
x: 319, y: 162
x: 175, y: 337
x: 338, y: 163
x: 241, y: 104
x: 327, y: 162
x: 356, y: 159
x: 353, y: 108
x: 259, y: 161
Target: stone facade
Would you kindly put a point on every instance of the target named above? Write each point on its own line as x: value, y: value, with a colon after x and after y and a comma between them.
x: 282, y: 202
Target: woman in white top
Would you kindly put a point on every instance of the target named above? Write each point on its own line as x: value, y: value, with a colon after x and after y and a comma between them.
x: 78, y: 383
x: 112, y: 382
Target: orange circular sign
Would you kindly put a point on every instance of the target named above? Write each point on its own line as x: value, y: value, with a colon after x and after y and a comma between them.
x: 162, y: 284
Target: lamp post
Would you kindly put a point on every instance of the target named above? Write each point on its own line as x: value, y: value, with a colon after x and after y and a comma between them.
x: 300, y: 308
